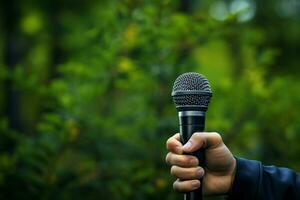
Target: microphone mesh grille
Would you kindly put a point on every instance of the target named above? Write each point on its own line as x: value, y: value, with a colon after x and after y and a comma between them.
x: 189, y: 82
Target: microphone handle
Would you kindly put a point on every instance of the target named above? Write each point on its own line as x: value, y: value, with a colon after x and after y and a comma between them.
x: 188, y: 126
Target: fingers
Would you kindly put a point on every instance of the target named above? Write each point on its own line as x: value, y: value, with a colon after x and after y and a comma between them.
x: 181, y: 160
x: 202, y: 140
x: 186, y: 186
x: 187, y: 173
x: 174, y: 145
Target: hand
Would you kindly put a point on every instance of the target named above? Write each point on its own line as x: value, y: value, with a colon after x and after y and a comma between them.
x: 219, y: 167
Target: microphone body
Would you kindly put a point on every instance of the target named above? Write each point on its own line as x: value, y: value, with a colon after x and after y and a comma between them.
x: 189, y: 123
x: 191, y: 95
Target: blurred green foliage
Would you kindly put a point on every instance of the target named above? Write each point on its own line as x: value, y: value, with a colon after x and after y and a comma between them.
x: 85, y: 105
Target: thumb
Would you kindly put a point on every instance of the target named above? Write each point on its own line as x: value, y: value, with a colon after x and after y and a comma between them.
x: 205, y: 140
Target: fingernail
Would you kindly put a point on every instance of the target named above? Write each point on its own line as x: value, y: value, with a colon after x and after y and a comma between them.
x: 199, y: 173
x: 195, y: 184
x: 187, y: 145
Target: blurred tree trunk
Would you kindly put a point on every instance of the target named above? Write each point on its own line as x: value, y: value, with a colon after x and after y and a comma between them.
x: 46, y: 71
x: 57, y: 52
x: 12, y: 55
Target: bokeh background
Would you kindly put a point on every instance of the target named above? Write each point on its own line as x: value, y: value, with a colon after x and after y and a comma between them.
x: 85, y: 106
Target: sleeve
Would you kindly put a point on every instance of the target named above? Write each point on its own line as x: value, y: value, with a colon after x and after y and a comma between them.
x: 253, y: 181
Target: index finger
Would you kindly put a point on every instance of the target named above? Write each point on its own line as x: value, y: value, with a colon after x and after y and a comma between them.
x: 174, y: 145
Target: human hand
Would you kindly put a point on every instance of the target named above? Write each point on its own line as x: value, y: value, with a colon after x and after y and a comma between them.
x: 219, y: 167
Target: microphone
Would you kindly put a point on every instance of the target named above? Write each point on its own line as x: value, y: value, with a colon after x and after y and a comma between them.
x: 191, y: 95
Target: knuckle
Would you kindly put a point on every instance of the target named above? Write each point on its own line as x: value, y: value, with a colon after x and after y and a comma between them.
x: 173, y: 170
x: 168, y: 158
x: 175, y: 185
x: 168, y: 142
x: 178, y: 186
x: 217, y: 138
x: 217, y: 135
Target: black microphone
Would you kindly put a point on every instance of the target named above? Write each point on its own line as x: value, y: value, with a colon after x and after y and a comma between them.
x: 191, y: 95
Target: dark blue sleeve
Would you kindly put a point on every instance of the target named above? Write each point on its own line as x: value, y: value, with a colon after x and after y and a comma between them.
x: 253, y: 181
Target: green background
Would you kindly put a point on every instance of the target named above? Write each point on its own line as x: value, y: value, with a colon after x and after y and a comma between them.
x: 85, y: 106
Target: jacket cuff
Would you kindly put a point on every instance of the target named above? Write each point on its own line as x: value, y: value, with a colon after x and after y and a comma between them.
x: 247, y: 180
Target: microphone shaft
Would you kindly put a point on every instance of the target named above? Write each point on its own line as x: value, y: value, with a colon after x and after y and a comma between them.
x: 189, y: 123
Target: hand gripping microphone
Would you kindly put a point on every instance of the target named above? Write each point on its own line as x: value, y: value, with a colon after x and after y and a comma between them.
x: 191, y: 95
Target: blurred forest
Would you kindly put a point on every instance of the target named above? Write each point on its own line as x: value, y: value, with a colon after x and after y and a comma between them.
x: 85, y: 105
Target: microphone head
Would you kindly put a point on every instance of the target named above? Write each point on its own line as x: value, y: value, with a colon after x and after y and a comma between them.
x: 191, y: 91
